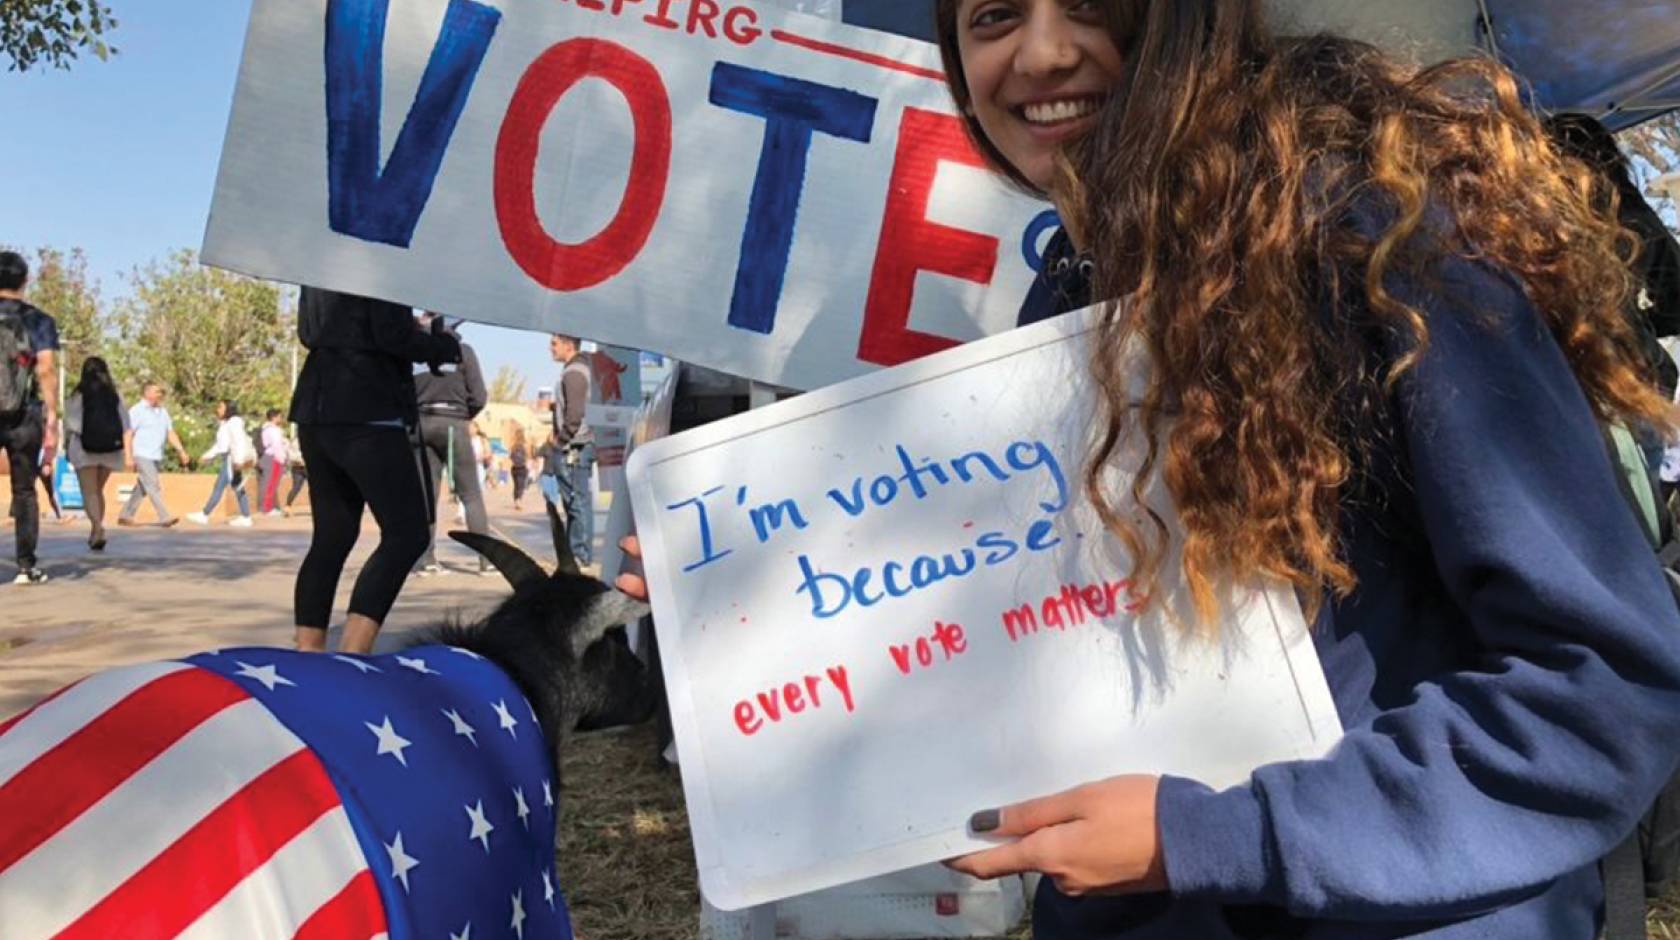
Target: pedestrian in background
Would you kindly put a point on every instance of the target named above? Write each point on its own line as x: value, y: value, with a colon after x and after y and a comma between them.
x: 519, y: 463
x: 355, y: 407
x: 237, y: 454
x: 573, y: 462
x: 449, y: 401
x: 149, y: 428
x: 28, y: 404
x: 298, y: 470
x: 96, y: 423
x: 272, y: 463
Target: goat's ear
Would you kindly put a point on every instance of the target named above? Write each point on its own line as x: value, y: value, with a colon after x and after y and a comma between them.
x: 604, y: 611
x: 564, y: 561
x: 519, y: 568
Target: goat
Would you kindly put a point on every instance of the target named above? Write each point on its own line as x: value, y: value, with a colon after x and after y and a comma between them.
x: 261, y: 792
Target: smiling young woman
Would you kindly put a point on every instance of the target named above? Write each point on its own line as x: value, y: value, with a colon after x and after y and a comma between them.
x: 1385, y: 319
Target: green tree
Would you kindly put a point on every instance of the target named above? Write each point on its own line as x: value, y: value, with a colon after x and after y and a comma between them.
x: 53, y: 32
x: 59, y: 284
x: 205, y: 334
x: 508, y: 386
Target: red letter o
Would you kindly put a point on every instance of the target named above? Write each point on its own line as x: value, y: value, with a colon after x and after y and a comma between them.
x: 554, y: 264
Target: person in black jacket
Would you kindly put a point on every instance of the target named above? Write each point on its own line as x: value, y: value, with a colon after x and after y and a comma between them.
x: 354, y: 406
x: 448, y: 403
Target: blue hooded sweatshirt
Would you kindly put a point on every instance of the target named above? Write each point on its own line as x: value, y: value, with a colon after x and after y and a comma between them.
x: 1508, y: 670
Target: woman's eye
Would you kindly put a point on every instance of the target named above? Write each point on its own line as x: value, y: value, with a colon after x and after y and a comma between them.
x: 990, y: 16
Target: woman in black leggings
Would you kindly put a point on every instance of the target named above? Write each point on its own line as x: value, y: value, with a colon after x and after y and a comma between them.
x: 353, y: 406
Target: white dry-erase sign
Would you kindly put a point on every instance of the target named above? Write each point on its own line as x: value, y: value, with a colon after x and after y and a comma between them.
x: 884, y: 605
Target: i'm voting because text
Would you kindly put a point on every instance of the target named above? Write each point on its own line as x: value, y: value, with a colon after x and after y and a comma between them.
x: 831, y: 594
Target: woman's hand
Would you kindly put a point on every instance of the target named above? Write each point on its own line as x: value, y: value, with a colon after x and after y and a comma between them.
x: 632, y: 584
x: 1100, y: 838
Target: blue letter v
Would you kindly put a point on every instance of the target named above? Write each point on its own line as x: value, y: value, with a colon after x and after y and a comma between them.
x: 362, y: 201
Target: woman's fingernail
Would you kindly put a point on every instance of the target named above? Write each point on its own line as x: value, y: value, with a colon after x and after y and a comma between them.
x: 984, y: 821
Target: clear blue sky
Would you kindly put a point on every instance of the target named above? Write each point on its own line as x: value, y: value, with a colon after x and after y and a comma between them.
x: 119, y: 157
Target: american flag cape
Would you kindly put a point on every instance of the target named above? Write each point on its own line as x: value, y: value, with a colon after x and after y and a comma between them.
x: 264, y: 793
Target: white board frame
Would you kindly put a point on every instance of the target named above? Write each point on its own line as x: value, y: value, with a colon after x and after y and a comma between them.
x: 720, y: 874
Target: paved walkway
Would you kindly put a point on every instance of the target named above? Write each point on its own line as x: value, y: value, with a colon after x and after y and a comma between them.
x: 157, y: 593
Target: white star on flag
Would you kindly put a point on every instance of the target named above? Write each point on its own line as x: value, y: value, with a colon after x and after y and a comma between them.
x: 465, y: 934
x: 364, y: 667
x: 269, y: 676
x: 457, y: 649
x: 548, y: 890
x: 401, y: 862
x: 507, y: 719
x: 481, y: 827
x: 524, y: 811
x: 519, y: 914
x: 461, y: 727
x: 548, y: 795
x: 418, y: 665
x: 390, y: 742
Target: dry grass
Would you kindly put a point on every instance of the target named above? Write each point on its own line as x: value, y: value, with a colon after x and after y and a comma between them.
x: 1665, y: 918
x: 625, y: 858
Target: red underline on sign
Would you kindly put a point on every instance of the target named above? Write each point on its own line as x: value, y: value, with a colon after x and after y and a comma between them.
x: 844, y: 52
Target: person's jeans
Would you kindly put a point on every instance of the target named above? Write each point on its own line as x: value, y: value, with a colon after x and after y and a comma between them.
x: 573, y: 480
x: 21, y: 439
x: 148, y: 484
x: 225, y: 477
x: 269, y: 472
x: 435, y: 434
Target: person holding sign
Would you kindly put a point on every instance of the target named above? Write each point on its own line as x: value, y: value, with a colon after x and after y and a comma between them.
x: 1383, y: 320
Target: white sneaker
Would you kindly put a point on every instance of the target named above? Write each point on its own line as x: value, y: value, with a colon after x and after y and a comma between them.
x: 240, y: 522
x: 430, y: 571
x: 198, y: 518
x: 30, y: 576
x: 274, y: 514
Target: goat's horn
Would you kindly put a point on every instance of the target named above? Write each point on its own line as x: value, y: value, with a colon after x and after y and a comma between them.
x: 564, y: 561
x: 519, y: 568
x: 605, y: 611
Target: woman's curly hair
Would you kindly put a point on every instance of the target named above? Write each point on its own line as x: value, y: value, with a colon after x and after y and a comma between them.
x: 1220, y: 194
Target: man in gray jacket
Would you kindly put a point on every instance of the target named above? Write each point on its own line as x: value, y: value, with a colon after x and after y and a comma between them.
x: 449, y: 401
x: 574, y: 450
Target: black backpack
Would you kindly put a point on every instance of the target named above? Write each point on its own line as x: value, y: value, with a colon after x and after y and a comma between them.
x: 102, y: 427
x: 1645, y: 865
x: 17, y: 362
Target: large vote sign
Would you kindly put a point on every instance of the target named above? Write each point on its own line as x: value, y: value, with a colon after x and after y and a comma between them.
x: 885, y: 605
x: 761, y: 192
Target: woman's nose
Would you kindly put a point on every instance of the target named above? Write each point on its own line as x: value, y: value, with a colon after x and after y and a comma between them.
x: 1048, y: 44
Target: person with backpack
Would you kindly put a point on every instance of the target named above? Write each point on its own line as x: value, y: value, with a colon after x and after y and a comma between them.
x: 233, y: 446
x: 28, y: 405
x: 96, y: 426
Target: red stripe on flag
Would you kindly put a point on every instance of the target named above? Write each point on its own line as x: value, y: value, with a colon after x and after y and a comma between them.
x: 856, y: 55
x: 11, y: 722
x: 79, y: 771
x: 213, y: 857
x: 354, y: 914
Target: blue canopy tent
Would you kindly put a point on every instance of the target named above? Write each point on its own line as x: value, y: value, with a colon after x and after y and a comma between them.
x: 1616, y: 59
